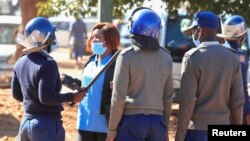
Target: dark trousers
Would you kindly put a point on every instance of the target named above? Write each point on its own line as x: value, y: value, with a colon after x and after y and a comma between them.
x: 41, y: 128
x: 196, y: 135
x: 141, y: 128
x: 91, y: 136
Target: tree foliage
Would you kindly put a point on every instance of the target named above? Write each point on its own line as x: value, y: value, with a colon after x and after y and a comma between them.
x: 220, y: 7
x: 83, y: 7
x: 74, y: 8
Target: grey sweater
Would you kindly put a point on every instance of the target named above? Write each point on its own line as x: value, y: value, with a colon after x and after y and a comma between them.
x: 211, y: 89
x: 143, y: 84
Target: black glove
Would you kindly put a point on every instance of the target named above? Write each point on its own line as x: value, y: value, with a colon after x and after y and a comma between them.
x: 72, y: 83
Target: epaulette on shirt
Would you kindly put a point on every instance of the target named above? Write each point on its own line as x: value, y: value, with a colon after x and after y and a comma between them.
x: 126, y: 50
x: 132, y: 48
x: 191, y: 51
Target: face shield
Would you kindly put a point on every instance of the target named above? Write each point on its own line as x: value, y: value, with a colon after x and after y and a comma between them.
x: 34, y: 40
x: 234, y: 31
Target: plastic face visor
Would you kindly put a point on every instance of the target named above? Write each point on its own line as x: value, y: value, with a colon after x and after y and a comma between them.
x: 234, y: 31
x: 35, y: 39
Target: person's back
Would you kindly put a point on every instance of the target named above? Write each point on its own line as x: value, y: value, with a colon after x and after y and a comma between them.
x: 31, y: 69
x: 143, y: 83
x: 216, y: 68
x: 148, y: 72
x: 37, y: 84
x: 79, y: 30
x: 78, y: 35
x: 234, y: 32
x: 211, y: 83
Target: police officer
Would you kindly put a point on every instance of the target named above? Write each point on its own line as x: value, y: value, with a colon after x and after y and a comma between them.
x: 37, y: 84
x: 143, y: 84
x: 211, y: 84
x: 234, y: 31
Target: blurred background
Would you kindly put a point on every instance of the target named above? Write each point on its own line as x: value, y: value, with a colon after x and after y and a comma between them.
x: 175, y: 17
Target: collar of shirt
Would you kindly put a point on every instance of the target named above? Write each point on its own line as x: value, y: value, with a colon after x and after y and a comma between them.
x: 99, y: 61
x: 209, y: 43
x: 234, y: 45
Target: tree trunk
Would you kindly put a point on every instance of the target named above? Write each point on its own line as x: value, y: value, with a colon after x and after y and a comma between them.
x: 29, y: 11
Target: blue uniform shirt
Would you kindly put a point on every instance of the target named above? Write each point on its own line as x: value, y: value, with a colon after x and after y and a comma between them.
x: 37, y: 84
x: 89, y: 117
x: 244, y: 68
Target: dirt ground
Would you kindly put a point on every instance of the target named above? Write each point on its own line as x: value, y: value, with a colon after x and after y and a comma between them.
x: 11, y: 111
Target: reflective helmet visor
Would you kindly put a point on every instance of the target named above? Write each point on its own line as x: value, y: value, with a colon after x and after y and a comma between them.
x: 35, y: 39
x: 234, y: 31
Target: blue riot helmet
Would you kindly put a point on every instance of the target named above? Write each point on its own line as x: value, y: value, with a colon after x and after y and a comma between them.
x: 41, y: 24
x: 144, y: 21
x: 38, y: 34
x: 233, y: 28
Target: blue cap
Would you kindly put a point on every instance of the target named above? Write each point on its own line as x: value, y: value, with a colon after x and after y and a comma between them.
x: 205, y: 19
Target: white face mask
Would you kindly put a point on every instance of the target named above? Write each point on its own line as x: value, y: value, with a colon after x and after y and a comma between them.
x: 54, y: 46
x: 196, y: 41
x: 226, y: 44
x: 98, y: 48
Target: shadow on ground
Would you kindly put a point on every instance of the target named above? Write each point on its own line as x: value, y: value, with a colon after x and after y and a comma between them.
x: 8, y: 125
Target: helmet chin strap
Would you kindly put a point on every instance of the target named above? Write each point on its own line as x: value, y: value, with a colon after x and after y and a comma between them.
x: 35, y: 49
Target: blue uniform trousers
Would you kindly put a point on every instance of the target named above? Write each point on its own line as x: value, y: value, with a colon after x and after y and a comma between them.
x: 141, y: 128
x: 41, y: 128
x: 196, y: 135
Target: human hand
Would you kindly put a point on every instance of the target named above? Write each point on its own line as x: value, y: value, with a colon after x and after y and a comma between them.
x: 110, y: 139
x: 62, y: 77
x: 78, y: 96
